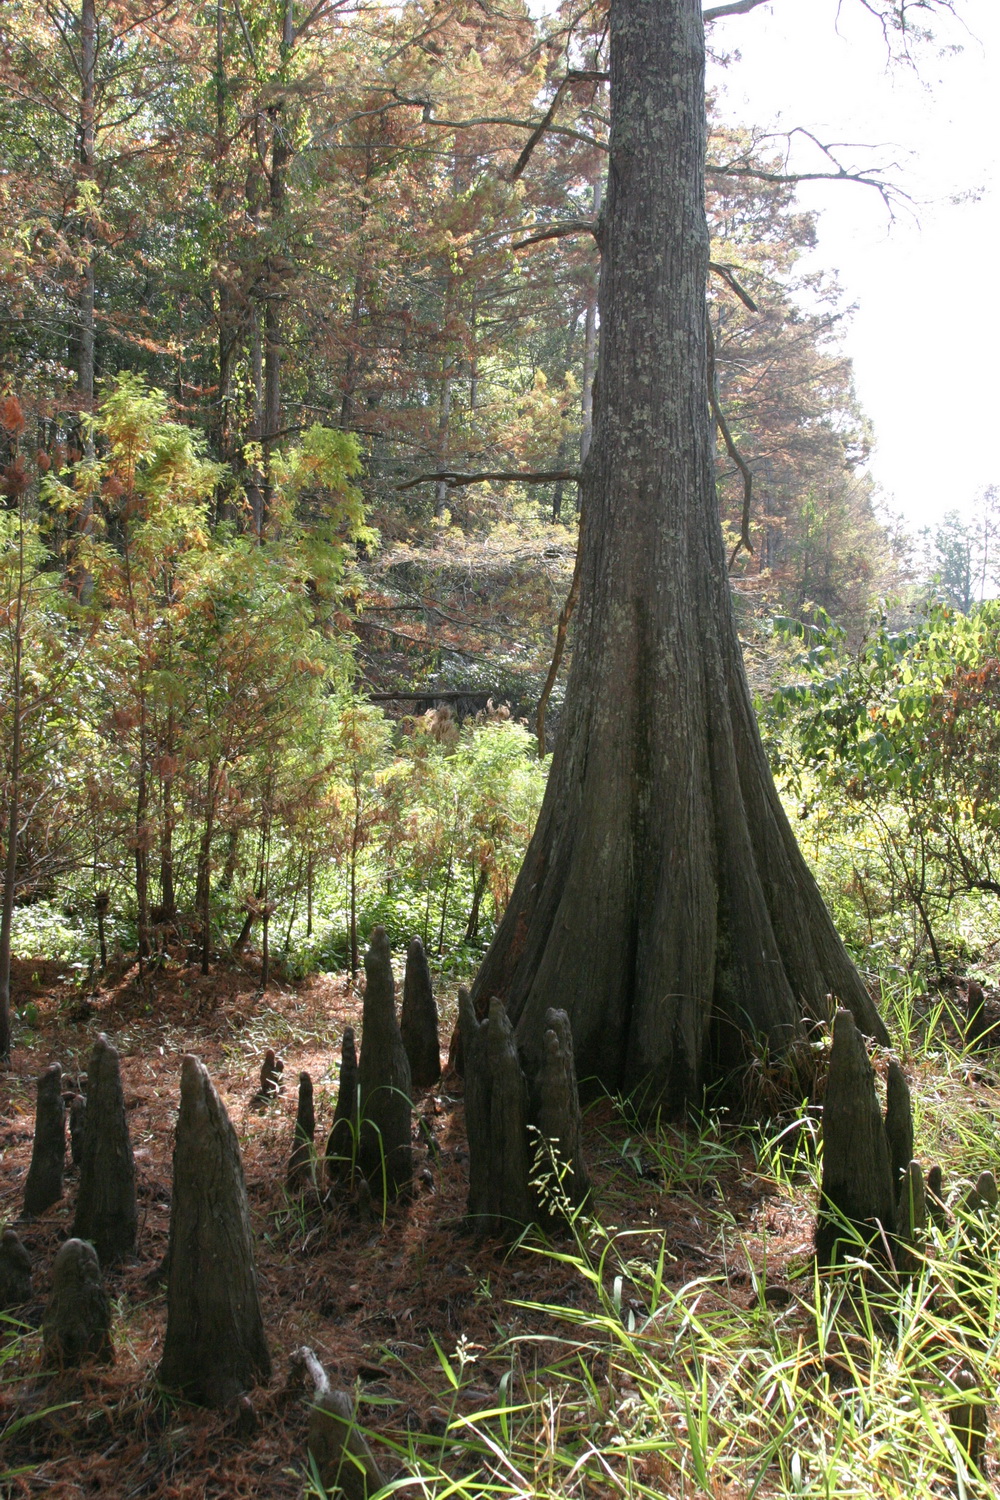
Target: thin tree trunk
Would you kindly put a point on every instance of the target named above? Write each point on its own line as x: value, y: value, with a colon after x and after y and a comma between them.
x: 142, y: 839
x: 13, y: 806
x: 281, y: 155
x: 444, y: 423
x: 663, y: 902
x: 87, y: 154
x: 590, y: 345
x: 472, y: 925
x: 205, y: 871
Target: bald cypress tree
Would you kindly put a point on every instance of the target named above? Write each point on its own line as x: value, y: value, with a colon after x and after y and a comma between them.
x: 663, y: 903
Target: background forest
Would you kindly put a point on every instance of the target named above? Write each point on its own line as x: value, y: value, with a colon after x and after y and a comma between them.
x: 264, y: 271
x: 299, y: 331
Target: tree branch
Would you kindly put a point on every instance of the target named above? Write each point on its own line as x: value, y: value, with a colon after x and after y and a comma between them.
x: 734, y: 8
x: 734, y: 286
x: 744, y: 542
x: 508, y: 476
x: 559, y: 232
x: 565, y: 615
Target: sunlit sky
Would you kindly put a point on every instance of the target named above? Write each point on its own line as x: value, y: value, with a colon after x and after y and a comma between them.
x: 925, y: 335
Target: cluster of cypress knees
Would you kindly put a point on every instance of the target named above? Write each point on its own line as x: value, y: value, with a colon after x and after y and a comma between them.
x: 214, y: 1347
x: 526, y: 1165
x: 877, y: 1205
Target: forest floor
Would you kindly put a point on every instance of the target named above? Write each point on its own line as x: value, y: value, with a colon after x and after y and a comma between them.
x: 412, y: 1314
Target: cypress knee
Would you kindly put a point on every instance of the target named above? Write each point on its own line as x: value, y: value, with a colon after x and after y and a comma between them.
x: 496, y: 1120
x: 384, y: 1087
x: 269, y: 1085
x: 418, y: 1022
x: 477, y: 1110
x: 911, y: 1219
x: 976, y: 1024
x: 967, y: 1411
x: 344, y: 1462
x: 557, y: 1113
x: 15, y: 1272
x: 214, y: 1348
x: 76, y: 1326
x: 935, y: 1195
x: 300, y: 1161
x: 44, y: 1183
x: 106, y: 1211
x: 898, y: 1123
x: 857, y: 1173
x: 77, y: 1127
x: 342, y: 1144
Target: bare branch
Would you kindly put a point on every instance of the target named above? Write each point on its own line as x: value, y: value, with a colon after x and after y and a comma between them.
x: 734, y: 8
x: 562, y: 627
x: 559, y: 232
x: 577, y: 75
x: 506, y: 476
x: 744, y: 543
x: 727, y: 276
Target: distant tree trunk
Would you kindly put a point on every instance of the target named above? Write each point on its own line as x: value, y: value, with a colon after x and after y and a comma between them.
x: 168, y: 897
x: 663, y: 902
x: 444, y: 425
x: 214, y: 1348
x: 142, y: 834
x: 204, y: 901
x: 590, y: 344
x: 13, y: 812
x: 87, y: 158
x: 478, y: 891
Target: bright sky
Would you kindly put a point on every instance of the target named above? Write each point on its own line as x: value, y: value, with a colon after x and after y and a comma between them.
x: 925, y: 338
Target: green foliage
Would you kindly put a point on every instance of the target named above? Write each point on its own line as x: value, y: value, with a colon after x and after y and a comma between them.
x: 888, y: 754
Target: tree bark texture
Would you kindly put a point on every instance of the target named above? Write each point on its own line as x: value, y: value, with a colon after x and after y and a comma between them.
x: 418, y: 1021
x: 663, y: 903
x: 15, y: 1272
x: 558, y: 1118
x: 384, y: 1086
x: 858, y: 1181
x: 496, y: 1121
x: 77, y: 1322
x: 106, y: 1209
x: 301, y: 1160
x: 214, y: 1347
x: 44, y: 1183
x: 342, y: 1143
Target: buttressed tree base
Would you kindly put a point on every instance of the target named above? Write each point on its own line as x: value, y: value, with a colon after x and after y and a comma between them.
x: 663, y: 903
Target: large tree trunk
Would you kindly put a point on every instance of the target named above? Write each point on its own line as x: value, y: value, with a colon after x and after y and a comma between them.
x: 663, y: 903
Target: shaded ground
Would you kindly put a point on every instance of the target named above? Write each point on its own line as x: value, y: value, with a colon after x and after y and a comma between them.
x: 373, y: 1299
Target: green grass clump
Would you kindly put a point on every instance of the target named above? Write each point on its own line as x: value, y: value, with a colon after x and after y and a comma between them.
x: 853, y: 1384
